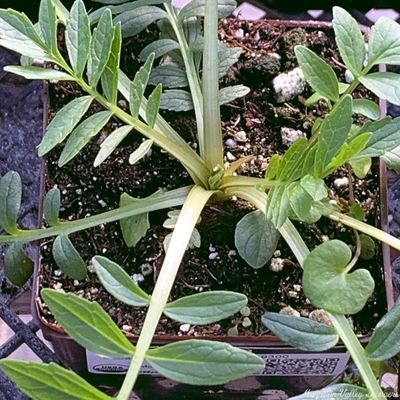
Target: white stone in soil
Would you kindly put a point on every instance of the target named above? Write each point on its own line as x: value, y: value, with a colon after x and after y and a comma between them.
x: 289, y: 85
x: 184, y: 328
x: 290, y: 136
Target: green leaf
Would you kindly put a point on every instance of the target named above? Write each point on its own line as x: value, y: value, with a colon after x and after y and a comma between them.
x: 88, y: 324
x: 392, y: 159
x: 315, y: 187
x: 367, y: 107
x: 289, y: 165
x: 17, y: 27
x: 230, y: 93
x: 169, y: 76
x: 63, y: 123
x: 333, y: 134
x: 109, y: 78
x: 138, y: 86
x: 361, y: 167
x: 118, y: 283
x: 51, y: 206
x: 299, y: 200
x: 336, y: 392
x: 48, y: 24
x: 153, y: 105
x: 368, y: 247
x: 196, y: 8
x: 386, y: 85
x: 39, y: 73
x: 318, y: 73
x: 205, y: 308
x: 308, y: 167
x: 17, y: 265
x: 134, y: 21
x: 273, y: 167
x: 278, y: 205
x: 28, y: 50
x: 10, y: 201
x: 141, y: 151
x: 256, y: 239
x: 301, y: 333
x: 383, y: 139
x: 50, y: 381
x: 159, y: 48
x: 82, y: 134
x: 349, y: 39
x: 78, y: 37
x: 384, y: 343
x: 135, y: 227
x: 68, y: 259
x: 111, y: 143
x: 357, y: 212
x: 203, y: 362
x: 100, y: 48
x: 327, y: 283
x: 384, y: 42
x: 176, y: 100
x: 227, y: 56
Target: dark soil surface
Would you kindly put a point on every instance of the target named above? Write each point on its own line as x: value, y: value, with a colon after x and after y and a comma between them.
x: 251, y: 126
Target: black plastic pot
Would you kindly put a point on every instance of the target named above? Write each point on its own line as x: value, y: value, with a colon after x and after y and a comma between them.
x: 286, y: 368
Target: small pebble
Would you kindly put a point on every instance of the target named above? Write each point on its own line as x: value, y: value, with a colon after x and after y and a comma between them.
x: 213, y: 256
x: 184, y: 328
x: 341, y: 182
x: 230, y: 143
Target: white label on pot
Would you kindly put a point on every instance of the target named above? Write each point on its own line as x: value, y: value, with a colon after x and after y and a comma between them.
x: 277, y: 364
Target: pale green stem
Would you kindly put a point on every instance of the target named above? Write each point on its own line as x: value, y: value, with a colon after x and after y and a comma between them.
x: 187, y: 220
x: 367, y: 229
x: 140, y: 206
x: 247, y: 181
x: 191, y: 73
x: 357, y: 353
x: 213, y: 151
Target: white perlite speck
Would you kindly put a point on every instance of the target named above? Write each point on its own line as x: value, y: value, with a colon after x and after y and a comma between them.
x: 289, y: 136
x: 289, y: 85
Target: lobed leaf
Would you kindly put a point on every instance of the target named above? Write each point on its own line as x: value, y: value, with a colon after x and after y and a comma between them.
x: 39, y: 73
x: 100, y: 48
x: 349, y: 39
x: 63, y: 123
x: 50, y: 381
x: 329, y: 285
x: 17, y: 265
x: 109, y: 78
x: 135, y: 227
x: 384, y: 42
x: 333, y: 134
x: 88, y: 324
x: 256, y: 239
x: 48, y: 24
x: 315, y: 187
x: 141, y: 151
x: 301, y: 333
x: 138, y: 86
x: 278, y: 205
x: 203, y: 362
x: 383, y: 84
x: 51, y: 206
x: 273, y: 167
x: 318, y: 73
x: 118, y: 283
x: 392, y: 159
x: 227, y: 57
x: 159, y: 48
x: 68, y: 259
x: 82, y: 134
x: 299, y: 200
x: 291, y: 161
x: 134, y: 21
x: 78, y: 37
x: 196, y: 8
x: 153, y: 105
x: 205, y: 308
x: 10, y: 201
x: 111, y: 143
x: 384, y: 343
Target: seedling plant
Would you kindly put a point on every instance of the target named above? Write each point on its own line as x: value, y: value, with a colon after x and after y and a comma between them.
x: 293, y: 187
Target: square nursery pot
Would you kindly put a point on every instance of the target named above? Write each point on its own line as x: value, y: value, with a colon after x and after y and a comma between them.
x: 286, y: 368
